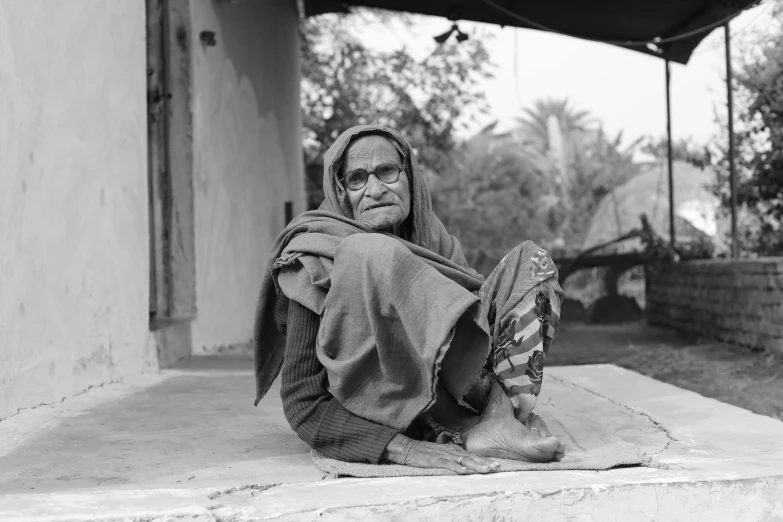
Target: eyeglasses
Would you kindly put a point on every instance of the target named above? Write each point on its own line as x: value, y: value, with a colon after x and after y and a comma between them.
x: 357, y: 179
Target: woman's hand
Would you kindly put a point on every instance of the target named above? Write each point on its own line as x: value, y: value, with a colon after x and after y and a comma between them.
x: 419, y: 454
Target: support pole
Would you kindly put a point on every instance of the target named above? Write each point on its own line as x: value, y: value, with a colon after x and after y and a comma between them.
x: 670, y: 153
x: 732, y: 166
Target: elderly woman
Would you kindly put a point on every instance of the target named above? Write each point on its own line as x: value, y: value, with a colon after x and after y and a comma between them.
x: 392, y: 349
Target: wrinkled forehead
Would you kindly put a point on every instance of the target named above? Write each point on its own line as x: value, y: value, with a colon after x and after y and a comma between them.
x: 366, y: 147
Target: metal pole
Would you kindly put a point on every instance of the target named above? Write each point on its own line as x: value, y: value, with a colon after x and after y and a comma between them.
x: 670, y: 153
x: 732, y: 166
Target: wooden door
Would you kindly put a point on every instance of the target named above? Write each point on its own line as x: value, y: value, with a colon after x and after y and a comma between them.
x: 172, y: 302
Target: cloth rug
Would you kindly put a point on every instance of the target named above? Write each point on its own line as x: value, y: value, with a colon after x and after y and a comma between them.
x: 583, y: 420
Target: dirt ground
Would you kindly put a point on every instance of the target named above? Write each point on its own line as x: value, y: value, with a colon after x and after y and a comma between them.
x: 738, y: 376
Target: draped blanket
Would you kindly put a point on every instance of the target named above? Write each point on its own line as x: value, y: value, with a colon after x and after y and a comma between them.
x: 324, y: 259
x: 302, y: 259
x: 387, y: 322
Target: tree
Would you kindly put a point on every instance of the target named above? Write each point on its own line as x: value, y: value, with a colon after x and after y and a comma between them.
x: 582, y: 161
x: 600, y: 165
x: 759, y: 142
x: 535, y: 128
x: 496, y: 197
x: 345, y: 83
x: 506, y: 191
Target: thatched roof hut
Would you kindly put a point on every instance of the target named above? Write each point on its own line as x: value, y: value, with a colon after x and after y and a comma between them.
x: 647, y: 193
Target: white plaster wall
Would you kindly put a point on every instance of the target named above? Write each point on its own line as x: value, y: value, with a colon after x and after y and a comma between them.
x: 247, y: 154
x: 74, y: 256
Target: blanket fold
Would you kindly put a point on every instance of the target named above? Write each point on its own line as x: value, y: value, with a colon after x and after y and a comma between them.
x: 389, y: 319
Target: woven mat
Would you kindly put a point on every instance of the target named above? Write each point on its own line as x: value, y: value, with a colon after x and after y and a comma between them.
x: 590, y: 444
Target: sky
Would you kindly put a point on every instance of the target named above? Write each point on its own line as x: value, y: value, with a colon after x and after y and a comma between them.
x: 622, y: 88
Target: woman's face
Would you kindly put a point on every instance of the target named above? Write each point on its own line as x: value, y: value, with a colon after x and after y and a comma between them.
x: 378, y: 205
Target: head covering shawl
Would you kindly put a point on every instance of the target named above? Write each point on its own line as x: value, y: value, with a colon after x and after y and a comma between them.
x: 312, y: 237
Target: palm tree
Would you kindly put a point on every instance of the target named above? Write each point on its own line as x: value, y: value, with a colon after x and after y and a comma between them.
x: 534, y: 125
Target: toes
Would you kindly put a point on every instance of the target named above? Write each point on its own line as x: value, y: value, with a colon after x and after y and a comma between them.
x: 547, y: 444
x: 543, y: 449
x: 560, y: 452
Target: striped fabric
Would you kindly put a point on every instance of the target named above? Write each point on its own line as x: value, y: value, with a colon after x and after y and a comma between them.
x: 523, y: 299
x: 523, y: 344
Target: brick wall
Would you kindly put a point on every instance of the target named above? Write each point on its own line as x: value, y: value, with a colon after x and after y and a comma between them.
x: 738, y: 302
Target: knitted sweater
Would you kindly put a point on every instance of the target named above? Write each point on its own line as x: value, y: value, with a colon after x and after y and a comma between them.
x: 319, y: 420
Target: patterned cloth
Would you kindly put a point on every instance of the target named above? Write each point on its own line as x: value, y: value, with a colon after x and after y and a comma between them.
x: 526, y: 282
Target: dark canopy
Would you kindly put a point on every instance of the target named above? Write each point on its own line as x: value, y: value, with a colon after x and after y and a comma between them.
x: 627, y: 23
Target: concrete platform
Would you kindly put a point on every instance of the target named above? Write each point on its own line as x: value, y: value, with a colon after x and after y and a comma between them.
x: 188, y: 444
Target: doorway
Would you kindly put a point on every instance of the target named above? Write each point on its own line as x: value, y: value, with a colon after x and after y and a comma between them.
x: 172, y: 303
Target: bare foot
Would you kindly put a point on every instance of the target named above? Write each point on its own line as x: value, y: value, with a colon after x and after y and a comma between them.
x: 499, y: 434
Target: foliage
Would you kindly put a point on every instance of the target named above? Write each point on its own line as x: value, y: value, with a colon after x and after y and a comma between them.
x: 759, y: 142
x: 600, y: 165
x: 534, y: 123
x: 498, y: 196
x: 345, y: 83
x: 588, y: 166
x: 683, y: 149
x: 510, y: 187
